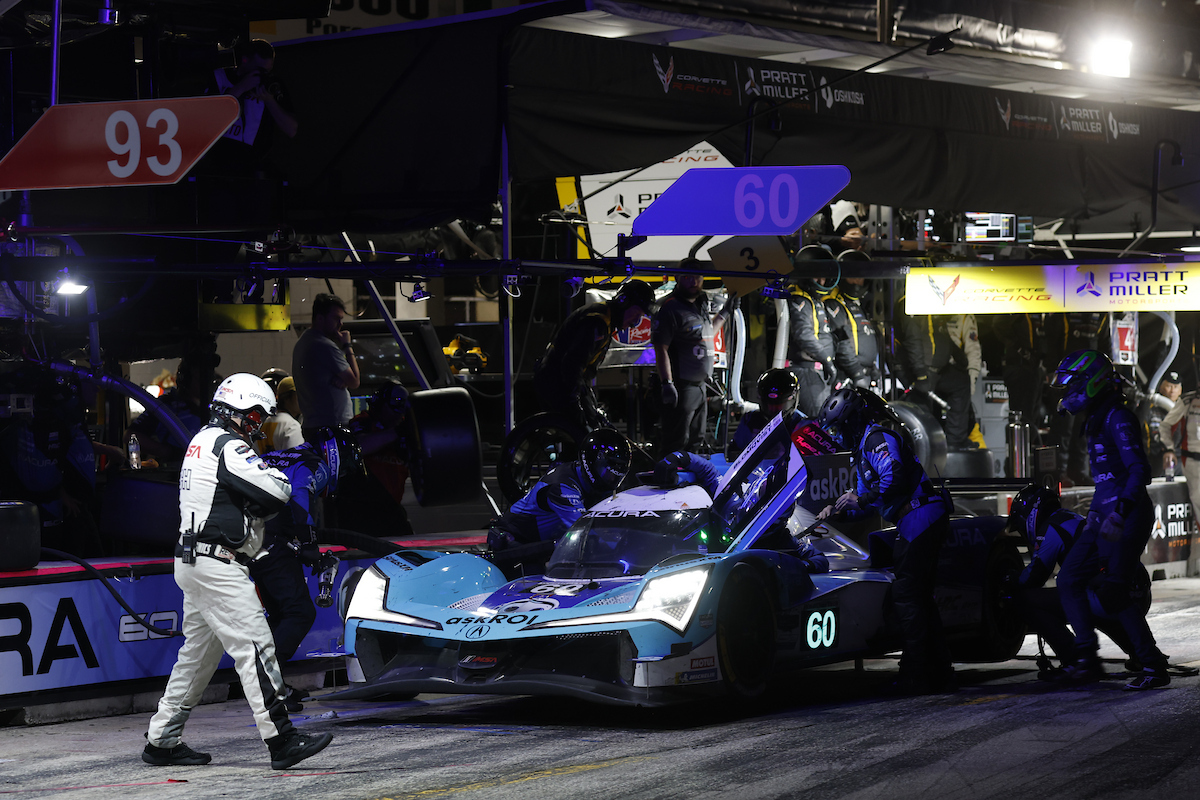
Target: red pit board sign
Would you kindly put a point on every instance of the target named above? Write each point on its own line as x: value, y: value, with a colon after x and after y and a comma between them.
x: 128, y: 143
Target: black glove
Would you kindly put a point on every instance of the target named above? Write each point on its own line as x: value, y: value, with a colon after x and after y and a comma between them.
x: 670, y: 395
x: 325, y: 561
x: 309, y: 554
x: 666, y: 471
x: 924, y: 384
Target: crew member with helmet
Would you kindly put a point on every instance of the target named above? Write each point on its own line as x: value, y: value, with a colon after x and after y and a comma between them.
x: 892, y: 482
x: 811, y: 346
x: 1050, y: 531
x: 850, y: 324
x: 563, y: 375
x: 1119, y: 520
x: 371, y: 500
x: 683, y: 338
x: 225, y: 491
x: 777, y: 390
x: 314, y: 469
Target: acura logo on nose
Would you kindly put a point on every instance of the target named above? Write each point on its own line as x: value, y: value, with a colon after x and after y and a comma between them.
x: 478, y: 632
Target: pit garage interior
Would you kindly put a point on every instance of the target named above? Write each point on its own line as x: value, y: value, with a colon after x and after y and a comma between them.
x: 472, y: 154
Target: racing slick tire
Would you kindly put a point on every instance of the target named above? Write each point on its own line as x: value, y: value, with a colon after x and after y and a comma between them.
x: 445, y: 458
x: 1002, y: 627
x: 532, y: 448
x: 929, y: 440
x: 745, y: 633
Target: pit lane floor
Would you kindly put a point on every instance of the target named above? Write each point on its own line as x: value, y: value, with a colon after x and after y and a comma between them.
x: 819, y: 734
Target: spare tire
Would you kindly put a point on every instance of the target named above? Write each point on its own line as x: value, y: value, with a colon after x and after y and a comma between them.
x: 970, y: 464
x: 20, y: 536
x: 929, y: 440
x: 445, y: 461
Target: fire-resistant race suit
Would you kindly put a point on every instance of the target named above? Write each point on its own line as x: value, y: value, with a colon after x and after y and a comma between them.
x: 225, y: 490
x: 290, y: 545
x: 1186, y: 410
x: 892, y: 482
x: 1042, y: 605
x: 562, y: 378
x: 683, y: 330
x: 1115, y: 534
x: 812, y: 348
x: 851, y: 325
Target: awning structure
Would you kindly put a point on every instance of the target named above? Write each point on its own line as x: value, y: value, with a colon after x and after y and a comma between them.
x: 409, y: 121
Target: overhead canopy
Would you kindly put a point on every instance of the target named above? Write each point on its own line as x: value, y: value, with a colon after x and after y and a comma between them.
x: 403, y: 126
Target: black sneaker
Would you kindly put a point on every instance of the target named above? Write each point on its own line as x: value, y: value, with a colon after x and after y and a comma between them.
x: 297, y: 747
x: 1149, y: 679
x: 299, y: 695
x: 178, y: 756
x: 291, y: 701
x: 1085, y: 670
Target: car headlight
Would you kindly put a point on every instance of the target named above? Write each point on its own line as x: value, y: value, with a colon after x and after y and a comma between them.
x: 672, y: 598
x: 367, y: 603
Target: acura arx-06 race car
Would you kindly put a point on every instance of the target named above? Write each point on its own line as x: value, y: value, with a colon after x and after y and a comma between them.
x: 657, y: 595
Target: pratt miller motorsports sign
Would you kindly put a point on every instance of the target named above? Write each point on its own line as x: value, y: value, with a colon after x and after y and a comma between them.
x: 1053, y: 287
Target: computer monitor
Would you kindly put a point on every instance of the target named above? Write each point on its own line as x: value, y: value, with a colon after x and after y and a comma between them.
x: 984, y: 226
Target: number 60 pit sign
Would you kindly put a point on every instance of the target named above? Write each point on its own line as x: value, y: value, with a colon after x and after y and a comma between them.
x: 130, y: 143
x: 741, y: 201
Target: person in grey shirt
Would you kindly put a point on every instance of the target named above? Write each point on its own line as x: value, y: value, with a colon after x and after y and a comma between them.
x: 324, y: 367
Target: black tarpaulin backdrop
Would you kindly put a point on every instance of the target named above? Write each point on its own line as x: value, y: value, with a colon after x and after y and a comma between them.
x: 403, y: 128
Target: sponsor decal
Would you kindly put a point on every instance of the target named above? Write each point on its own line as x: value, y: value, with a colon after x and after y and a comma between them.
x: 1146, y: 283
x: 831, y: 96
x: 498, y: 619
x: 130, y: 630
x: 777, y: 84
x: 664, y: 76
x: 479, y: 631
x: 1159, y: 531
x: 944, y: 294
x: 706, y: 620
x: 1084, y: 122
x: 1117, y: 128
x: 699, y: 676
x: 1089, y: 285
x: 193, y: 451
x: 966, y: 537
x: 66, y: 615
x: 621, y: 514
x: 478, y: 662
x: 530, y: 605
x: 703, y: 663
x: 829, y: 485
x: 618, y: 208
x: 1005, y: 112
x: 397, y: 561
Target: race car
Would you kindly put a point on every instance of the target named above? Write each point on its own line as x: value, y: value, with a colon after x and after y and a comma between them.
x: 661, y: 595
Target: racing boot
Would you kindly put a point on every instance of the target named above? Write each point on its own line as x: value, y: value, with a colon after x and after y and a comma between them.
x: 178, y: 756
x: 1151, y: 678
x: 289, y: 750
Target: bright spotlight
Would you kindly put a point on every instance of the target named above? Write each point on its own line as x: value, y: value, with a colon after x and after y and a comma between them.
x: 1111, y: 57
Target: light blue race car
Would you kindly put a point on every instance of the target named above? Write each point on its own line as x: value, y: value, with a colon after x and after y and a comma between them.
x: 661, y: 595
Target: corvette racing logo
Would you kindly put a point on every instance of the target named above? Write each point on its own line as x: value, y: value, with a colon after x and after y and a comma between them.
x: 1005, y: 112
x: 664, y: 75
x: 944, y: 294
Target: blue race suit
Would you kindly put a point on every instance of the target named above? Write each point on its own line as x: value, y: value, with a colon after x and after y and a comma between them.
x: 291, y: 544
x: 892, y: 482
x: 1121, y: 472
x: 1057, y: 533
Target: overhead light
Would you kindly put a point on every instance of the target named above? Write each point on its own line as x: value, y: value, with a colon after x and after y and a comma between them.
x: 1111, y: 57
x: 69, y: 287
x: 1192, y: 248
x: 418, y: 294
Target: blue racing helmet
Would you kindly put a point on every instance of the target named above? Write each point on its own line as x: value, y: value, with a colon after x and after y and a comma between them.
x: 1030, y: 507
x: 341, y: 453
x: 1083, y: 376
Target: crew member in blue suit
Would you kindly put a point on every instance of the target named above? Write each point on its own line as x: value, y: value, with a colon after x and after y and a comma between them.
x: 1050, y: 531
x: 777, y: 390
x: 313, y: 469
x: 1119, y: 520
x: 892, y: 482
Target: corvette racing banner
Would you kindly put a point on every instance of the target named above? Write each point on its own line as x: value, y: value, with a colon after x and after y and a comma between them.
x: 1053, y: 288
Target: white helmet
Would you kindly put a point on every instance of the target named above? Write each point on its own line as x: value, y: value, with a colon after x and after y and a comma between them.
x: 246, y: 400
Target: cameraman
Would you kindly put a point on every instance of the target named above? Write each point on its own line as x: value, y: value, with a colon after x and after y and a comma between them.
x: 264, y: 109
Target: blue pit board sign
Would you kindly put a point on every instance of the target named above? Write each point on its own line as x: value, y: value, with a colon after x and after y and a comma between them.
x: 741, y: 200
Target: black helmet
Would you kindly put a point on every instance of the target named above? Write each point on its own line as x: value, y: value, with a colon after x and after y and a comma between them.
x: 814, y: 252
x: 1031, y: 505
x: 635, y: 293
x: 605, y: 457
x: 391, y: 397
x: 778, y: 387
x: 848, y: 411
x: 341, y: 453
x: 273, y: 376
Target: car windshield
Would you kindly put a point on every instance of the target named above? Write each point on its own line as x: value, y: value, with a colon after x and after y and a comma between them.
x: 628, y: 543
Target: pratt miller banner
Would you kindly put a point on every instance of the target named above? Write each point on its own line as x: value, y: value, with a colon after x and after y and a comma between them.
x: 1052, y: 288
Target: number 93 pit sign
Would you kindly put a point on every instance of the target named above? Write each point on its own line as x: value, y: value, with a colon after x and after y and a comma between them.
x: 130, y: 143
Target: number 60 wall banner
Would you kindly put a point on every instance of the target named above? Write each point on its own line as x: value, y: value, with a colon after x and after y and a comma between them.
x: 130, y: 143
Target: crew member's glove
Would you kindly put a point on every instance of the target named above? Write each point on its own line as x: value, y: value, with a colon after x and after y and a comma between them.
x: 666, y: 471
x: 1113, y: 527
x: 829, y: 372
x: 309, y: 554
x: 670, y: 395
x: 499, y: 540
x: 924, y: 384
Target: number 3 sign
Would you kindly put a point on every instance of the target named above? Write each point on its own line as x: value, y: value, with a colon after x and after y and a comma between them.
x: 129, y: 143
x: 741, y: 200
